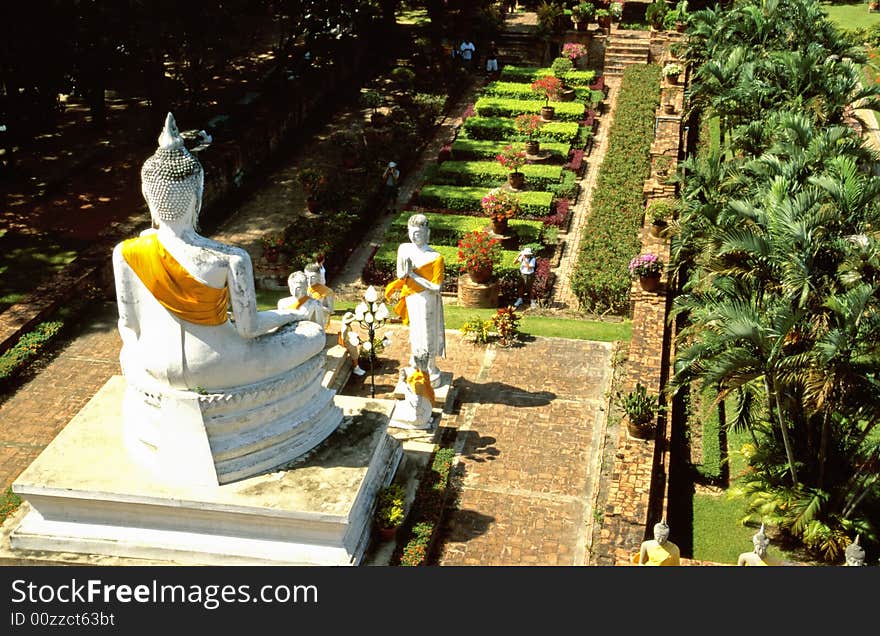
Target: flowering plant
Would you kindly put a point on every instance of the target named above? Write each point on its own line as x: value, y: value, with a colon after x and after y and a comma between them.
x: 617, y: 10
x: 478, y: 250
x: 500, y: 205
x: 511, y: 159
x: 574, y: 50
x: 312, y: 180
x: 672, y: 69
x: 549, y: 85
x: 529, y: 125
x: 645, y: 265
x: 273, y: 244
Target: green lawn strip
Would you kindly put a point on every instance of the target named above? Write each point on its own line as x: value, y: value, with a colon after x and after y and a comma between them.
x: 610, y: 238
x: 538, y: 326
x: 849, y: 16
x: 493, y: 174
x: 503, y: 128
x: 25, y: 261
x: 448, y: 229
x: 470, y: 149
x: 500, y: 107
x: 711, y: 466
x: 528, y: 74
x: 467, y: 199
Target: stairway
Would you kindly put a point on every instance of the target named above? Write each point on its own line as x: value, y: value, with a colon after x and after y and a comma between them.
x: 518, y: 43
x: 624, y: 48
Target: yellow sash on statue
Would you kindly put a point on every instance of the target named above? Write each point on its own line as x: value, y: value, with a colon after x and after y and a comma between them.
x: 319, y: 291
x: 174, y: 287
x: 658, y: 555
x: 295, y: 304
x: 421, y: 385
x: 432, y: 271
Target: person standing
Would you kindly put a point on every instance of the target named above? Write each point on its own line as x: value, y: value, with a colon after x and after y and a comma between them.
x: 350, y: 341
x: 527, y: 266
x: 492, y: 61
x: 467, y: 50
x: 391, y: 185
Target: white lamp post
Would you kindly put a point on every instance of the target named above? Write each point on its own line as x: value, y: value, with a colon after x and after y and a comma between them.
x: 371, y: 315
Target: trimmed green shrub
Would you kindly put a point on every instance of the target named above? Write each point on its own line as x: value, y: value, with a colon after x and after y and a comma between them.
x: 493, y: 174
x: 385, y: 262
x: 610, y: 239
x: 528, y: 74
x: 464, y: 149
x: 567, y: 187
x: 448, y: 229
x: 519, y: 90
x: 29, y: 346
x: 502, y: 128
x: 443, y: 197
x: 500, y: 107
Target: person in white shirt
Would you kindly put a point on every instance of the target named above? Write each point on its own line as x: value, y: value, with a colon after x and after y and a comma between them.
x: 527, y: 264
x: 467, y: 49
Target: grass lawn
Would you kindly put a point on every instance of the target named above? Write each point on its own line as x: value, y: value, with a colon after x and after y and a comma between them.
x: 24, y: 261
x: 543, y: 326
x: 851, y: 15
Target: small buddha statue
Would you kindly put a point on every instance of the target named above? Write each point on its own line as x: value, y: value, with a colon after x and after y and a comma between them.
x: 415, y: 410
x: 854, y: 555
x: 659, y: 550
x: 758, y: 556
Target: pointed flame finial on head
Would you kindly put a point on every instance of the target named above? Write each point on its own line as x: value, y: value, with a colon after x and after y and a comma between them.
x: 170, y: 136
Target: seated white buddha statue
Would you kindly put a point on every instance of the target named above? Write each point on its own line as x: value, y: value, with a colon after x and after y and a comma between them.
x: 187, y: 305
x: 191, y: 333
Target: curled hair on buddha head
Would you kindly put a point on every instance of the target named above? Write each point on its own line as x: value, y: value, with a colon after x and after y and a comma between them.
x: 661, y: 531
x: 760, y: 541
x: 172, y: 179
x: 297, y: 277
x: 417, y: 220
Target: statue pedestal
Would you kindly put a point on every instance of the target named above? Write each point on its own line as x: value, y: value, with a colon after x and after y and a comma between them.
x: 271, y: 276
x: 89, y: 503
x: 471, y: 294
x: 441, y: 393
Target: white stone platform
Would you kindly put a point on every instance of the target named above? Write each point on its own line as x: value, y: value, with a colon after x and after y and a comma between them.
x: 86, y: 496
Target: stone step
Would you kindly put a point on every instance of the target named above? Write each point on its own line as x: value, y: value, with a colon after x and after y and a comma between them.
x: 639, y: 50
x: 631, y: 58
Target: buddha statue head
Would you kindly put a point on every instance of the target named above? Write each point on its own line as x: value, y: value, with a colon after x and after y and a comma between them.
x: 661, y: 532
x: 298, y: 284
x: 760, y: 541
x: 172, y: 180
x: 854, y: 553
x: 419, y: 232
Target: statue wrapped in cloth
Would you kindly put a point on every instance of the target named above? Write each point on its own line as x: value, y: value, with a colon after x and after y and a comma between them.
x: 191, y: 332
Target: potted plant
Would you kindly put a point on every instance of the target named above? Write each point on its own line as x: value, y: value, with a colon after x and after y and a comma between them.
x: 672, y: 70
x: 549, y: 86
x: 273, y: 246
x: 616, y: 11
x: 647, y: 269
x: 873, y: 5
x: 560, y: 68
x: 658, y: 212
x: 389, y: 515
x: 655, y: 12
x: 582, y: 14
x: 314, y: 185
x: 603, y: 18
x: 372, y: 99
x: 576, y: 52
x: 529, y: 125
x: 513, y: 160
x: 662, y: 164
x: 500, y: 206
x: 641, y: 410
x: 478, y: 253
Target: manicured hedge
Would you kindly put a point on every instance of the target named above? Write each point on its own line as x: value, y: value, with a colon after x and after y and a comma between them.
x: 448, y: 229
x: 503, y: 128
x: 385, y: 262
x: 573, y: 78
x: 493, y: 174
x: 464, y: 149
x: 467, y: 199
x: 520, y: 90
x: 501, y: 107
x: 611, y: 236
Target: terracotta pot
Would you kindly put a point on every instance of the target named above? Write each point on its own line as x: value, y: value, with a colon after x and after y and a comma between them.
x: 312, y: 205
x: 499, y: 227
x: 516, y: 180
x: 480, y: 275
x: 387, y: 534
x: 604, y: 23
x: 566, y: 95
x: 533, y: 147
x: 650, y: 283
x: 640, y: 431
x: 271, y: 256
x: 548, y: 113
x: 657, y: 229
x: 668, y: 108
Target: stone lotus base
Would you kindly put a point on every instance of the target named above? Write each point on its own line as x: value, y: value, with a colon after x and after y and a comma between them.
x: 88, y: 502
